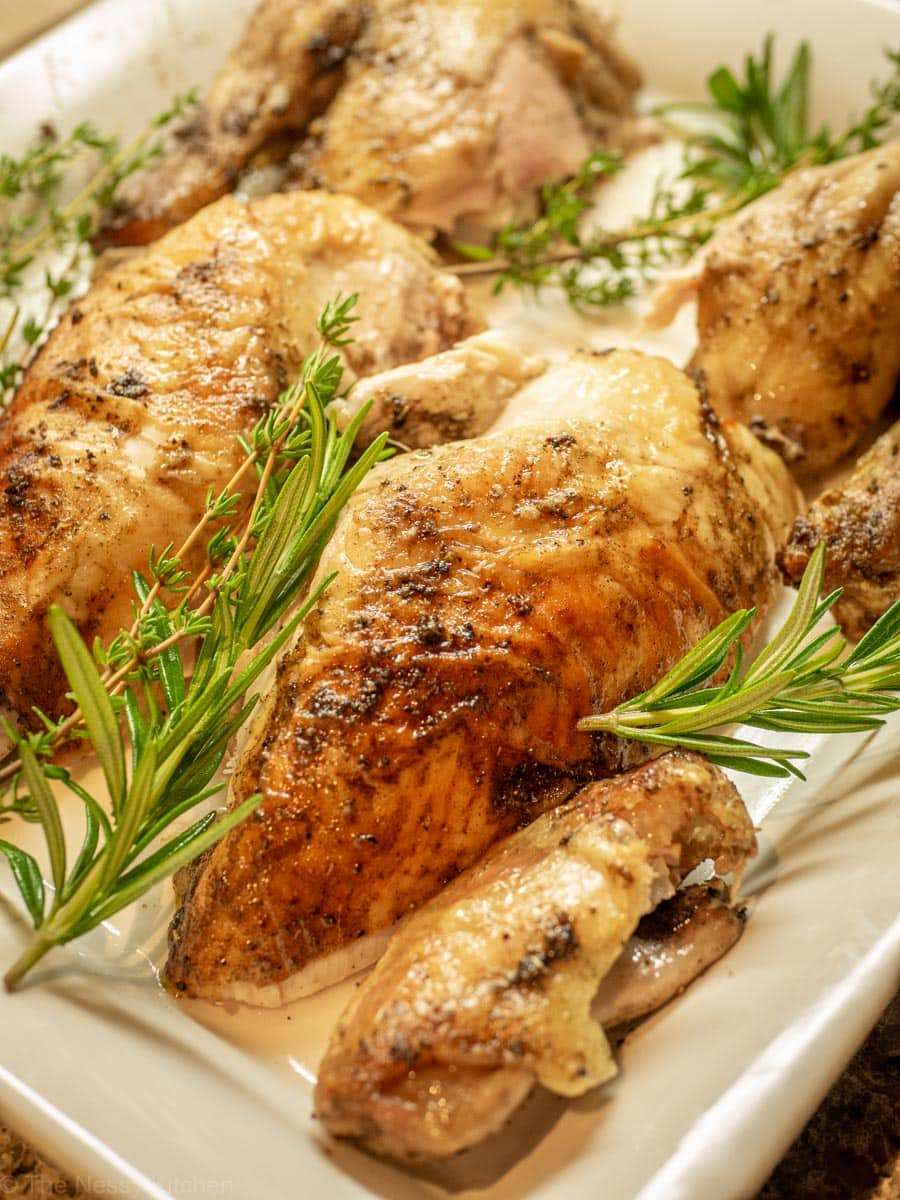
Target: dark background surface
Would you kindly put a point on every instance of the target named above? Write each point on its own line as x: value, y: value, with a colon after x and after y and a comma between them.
x: 850, y: 1150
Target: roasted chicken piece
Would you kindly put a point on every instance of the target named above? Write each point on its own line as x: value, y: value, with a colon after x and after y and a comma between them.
x: 860, y: 522
x: 489, y: 593
x: 283, y: 72
x: 429, y: 110
x: 131, y: 410
x: 488, y: 988
x: 799, y: 309
x: 456, y: 110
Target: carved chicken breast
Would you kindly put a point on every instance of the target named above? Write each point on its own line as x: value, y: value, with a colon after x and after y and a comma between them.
x: 489, y: 593
x: 131, y: 410
x: 799, y: 309
x: 860, y: 522
x: 429, y: 111
x: 488, y: 988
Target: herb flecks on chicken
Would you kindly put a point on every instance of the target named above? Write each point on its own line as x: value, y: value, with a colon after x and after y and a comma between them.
x: 859, y: 522
x: 457, y: 394
x: 180, y: 720
x: 488, y: 989
x: 799, y: 310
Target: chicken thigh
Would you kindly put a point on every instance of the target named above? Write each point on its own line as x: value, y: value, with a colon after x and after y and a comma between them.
x: 132, y: 409
x: 429, y: 110
x: 489, y: 593
x: 799, y: 309
x: 859, y: 520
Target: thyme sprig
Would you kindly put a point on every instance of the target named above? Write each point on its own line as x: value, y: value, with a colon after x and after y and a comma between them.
x: 755, y: 133
x: 594, y: 270
x: 803, y: 681
x: 179, y: 723
x: 37, y: 215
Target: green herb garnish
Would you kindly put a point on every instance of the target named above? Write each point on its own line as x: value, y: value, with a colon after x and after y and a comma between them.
x: 756, y: 132
x: 179, y: 724
x: 759, y: 130
x: 595, y: 270
x: 36, y: 216
x: 802, y: 682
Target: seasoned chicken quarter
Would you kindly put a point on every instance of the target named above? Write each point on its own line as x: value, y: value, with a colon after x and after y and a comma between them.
x: 429, y: 110
x: 489, y: 593
x: 799, y: 309
x: 859, y: 520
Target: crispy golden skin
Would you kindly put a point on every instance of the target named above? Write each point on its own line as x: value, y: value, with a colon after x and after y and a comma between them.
x: 488, y: 988
x: 132, y: 408
x: 860, y: 522
x: 799, y: 309
x: 489, y: 594
x: 428, y: 110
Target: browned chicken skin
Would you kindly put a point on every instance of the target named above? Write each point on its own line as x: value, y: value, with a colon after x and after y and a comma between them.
x: 860, y: 522
x: 799, y: 309
x: 429, y: 110
x: 131, y: 410
x: 489, y: 593
x: 282, y: 73
x: 488, y: 988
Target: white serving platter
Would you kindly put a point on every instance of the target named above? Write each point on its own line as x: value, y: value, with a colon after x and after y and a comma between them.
x: 141, y: 1095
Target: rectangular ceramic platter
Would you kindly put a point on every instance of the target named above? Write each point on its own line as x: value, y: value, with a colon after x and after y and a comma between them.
x: 140, y: 1095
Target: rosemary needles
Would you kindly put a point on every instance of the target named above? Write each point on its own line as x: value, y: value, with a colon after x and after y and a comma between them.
x: 179, y: 724
x: 803, y: 681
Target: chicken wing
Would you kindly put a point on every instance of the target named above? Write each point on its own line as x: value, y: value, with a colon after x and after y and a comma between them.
x: 131, y: 410
x: 860, y: 522
x: 489, y: 593
x: 426, y: 109
x: 488, y: 988
x: 457, y: 394
x: 284, y: 71
x: 799, y: 309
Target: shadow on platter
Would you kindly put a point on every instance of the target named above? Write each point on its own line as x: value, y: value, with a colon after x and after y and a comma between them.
x: 485, y: 1165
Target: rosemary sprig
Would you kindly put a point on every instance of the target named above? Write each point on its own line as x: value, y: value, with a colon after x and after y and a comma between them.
x: 759, y: 130
x: 802, y: 681
x: 36, y: 216
x: 179, y: 724
x: 756, y: 132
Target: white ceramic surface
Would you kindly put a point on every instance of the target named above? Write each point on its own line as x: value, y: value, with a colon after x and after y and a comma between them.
x: 140, y: 1095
